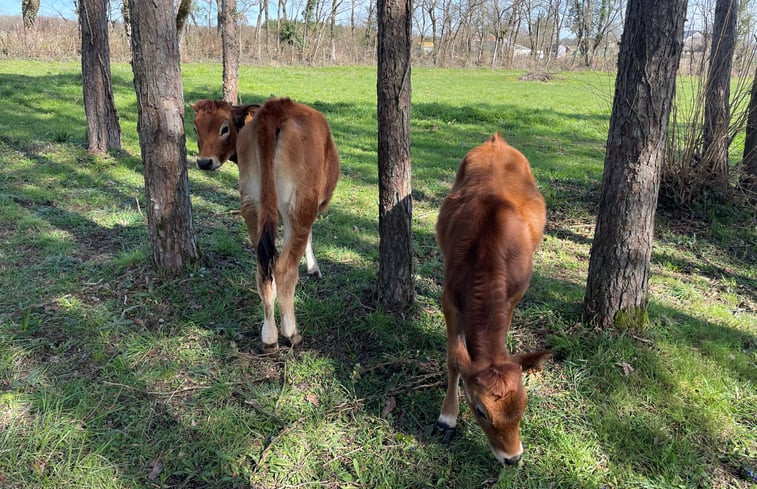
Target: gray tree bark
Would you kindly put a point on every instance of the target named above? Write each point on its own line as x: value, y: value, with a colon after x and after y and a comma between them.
x: 230, y: 48
x: 717, y: 109
x: 29, y: 10
x: 396, y: 287
x: 650, y: 50
x: 103, y: 129
x: 749, y: 164
x: 160, y: 104
x: 185, y: 7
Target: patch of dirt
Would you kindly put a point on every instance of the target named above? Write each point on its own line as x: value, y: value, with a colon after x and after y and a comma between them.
x: 541, y: 76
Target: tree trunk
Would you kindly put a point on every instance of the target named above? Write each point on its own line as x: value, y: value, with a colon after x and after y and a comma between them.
x: 495, y: 51
x: 258, y: 31
x: 103, y: 130
x: 396, y: 287
x: 127, y: 20
x: 29, y: 10
x: 332, y: 31
x: 160, y: 104
x: 435, y: 42
x: 230, y: 47
x: 749, y: 164
x: 185, y: 7
x: 352, y: 32
x: 717, y: 111
x: 650, y: 50
x: 281, y: 21
x: 267, y: 36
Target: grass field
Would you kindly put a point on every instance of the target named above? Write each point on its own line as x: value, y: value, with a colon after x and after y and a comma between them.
x: 112, y: 377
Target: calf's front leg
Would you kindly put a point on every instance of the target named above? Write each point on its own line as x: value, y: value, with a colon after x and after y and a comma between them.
x: 312, y: 264
x: 447, y: 420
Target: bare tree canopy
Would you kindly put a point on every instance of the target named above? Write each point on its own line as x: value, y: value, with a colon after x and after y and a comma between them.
x: 525, y: 34
x: 590, y: 21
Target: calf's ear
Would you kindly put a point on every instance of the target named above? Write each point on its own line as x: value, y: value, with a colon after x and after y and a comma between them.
x: 531, y: 361
x: 242, y: 114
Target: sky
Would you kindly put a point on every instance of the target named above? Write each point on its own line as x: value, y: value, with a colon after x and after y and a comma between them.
x: 48, y: 8
x: 51, y: 8
x: 66, y: 9
x: 62, y: 8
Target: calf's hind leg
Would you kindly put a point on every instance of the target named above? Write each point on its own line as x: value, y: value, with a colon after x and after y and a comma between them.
x: 266, y: 286
x: 267, y: 291
x: 296, y: 240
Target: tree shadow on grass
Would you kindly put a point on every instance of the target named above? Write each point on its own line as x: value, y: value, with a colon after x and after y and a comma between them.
x: 173, y: 362
x: 650, y: 417
x: 140, y: 425
x: 359, y: 346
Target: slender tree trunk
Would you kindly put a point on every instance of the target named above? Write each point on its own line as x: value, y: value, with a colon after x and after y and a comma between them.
x: 265, y: 26
x: 281, y: 21
x: 495, y: 51
x: 650, y: 50
x: 258, y: 36
x: 717, y: 110
x: 29, y: 10
x: 277, y: 39
x: 435, y: 42
x: 127, y: 20
x: 481, y: 44
x: 352, y: 31
x: 396, y: 286
x: 306, y: 29
x: 369, y: 35
x: 513, y: 37
x: 749, y: 164
x: 555, y: 38
x: 332, y: 34
x: 335, y: 4
x: 230, y: 47
x: 103, y: 130
x: 160, y: 104
x: 185, y: 7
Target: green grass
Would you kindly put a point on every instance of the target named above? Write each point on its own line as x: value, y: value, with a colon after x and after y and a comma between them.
x: 113, y: 377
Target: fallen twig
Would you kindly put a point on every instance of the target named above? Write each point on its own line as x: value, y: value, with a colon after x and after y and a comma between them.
x: 157, y: 393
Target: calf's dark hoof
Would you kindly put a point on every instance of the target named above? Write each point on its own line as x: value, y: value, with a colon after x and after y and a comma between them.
x: 442, y: 429
x: 271, y: 349
x: 295, y: 340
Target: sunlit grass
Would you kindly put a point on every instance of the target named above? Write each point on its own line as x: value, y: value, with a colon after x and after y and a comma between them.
x: 113, y: 376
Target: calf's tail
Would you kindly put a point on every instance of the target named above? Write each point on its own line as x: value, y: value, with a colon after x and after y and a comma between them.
x: 268, y: 214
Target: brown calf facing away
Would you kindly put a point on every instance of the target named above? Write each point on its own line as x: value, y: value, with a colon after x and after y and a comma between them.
x: 488, y: 228
x: 288, y: 167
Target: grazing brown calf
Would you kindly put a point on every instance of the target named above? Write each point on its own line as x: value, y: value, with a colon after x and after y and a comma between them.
x: 488, y: 228
x: 288, y: 166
